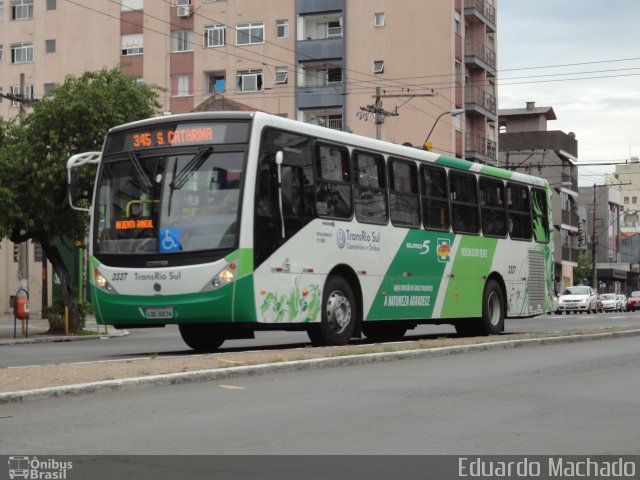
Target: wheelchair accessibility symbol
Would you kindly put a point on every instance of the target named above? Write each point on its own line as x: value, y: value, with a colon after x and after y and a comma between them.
x: 170, y: 239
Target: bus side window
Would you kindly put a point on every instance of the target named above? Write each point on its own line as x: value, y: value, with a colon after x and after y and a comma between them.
x: 541, y: 231
x: 464, y: 203
x: 333, y: 186
x: 404, y: 199
x: 492, y: 207
x: 519, y: 212
x: 370, y: 190
x: 435, y: 198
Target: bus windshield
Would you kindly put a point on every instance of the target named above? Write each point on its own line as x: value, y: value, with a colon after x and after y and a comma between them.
x: 166, y: 202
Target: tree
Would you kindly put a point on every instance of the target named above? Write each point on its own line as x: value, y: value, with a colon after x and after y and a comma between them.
x: 583, y: 270
x: 74, y: 118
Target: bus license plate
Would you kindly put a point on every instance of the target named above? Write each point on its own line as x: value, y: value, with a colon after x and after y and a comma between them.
x: 166, y: 312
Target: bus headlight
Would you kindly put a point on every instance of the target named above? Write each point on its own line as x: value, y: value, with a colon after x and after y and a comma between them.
x: 224, y: 276
x: 102, y: 283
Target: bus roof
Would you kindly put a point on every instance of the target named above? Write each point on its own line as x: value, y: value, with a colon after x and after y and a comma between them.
x: 330, y: 135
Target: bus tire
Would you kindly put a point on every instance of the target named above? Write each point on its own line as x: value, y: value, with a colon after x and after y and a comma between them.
x: 202, y: 337
x: 339, y: 314
x: 383, y: 331
x: 493, y: 310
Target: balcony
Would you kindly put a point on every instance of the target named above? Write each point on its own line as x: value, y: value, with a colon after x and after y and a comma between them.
x: 481, y: 102
x: 326, y: 118
x: 480, y: 55
x: 483, y: 11
x: 479, y: 148
x: 320, y: 85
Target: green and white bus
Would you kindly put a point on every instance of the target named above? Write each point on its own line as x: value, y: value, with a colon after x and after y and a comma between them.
x: 227, y: 223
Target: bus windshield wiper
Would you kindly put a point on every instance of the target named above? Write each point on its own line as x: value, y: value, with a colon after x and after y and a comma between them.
x: 181, y: 178
x: 136, y: 163
x: 194, y: 164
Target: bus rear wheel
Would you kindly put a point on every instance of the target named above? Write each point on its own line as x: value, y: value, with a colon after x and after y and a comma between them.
x: 202, y: 337
x: 339, y: 314
x: 493, y: 312
x: 492, y: 309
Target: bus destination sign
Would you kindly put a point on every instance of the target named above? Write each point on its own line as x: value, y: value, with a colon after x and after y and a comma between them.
x: 170, y: 136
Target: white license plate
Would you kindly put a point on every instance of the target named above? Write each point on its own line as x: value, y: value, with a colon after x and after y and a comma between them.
x: 166, y: 312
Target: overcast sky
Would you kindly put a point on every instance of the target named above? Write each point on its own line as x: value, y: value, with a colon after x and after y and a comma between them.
x: 604, y: 113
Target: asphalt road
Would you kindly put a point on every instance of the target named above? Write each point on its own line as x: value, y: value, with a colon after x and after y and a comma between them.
x: 579, y: 398
x: 167, y: 341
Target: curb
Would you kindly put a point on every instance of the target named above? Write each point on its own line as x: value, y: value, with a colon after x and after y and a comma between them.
x: 58, y: 339
x: 293, y: 366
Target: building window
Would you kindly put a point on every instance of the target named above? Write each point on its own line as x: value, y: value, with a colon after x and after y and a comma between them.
x: 214, y: 35
x: 132, y: 44
x: 334, y: 29
x: 458, y: 72
x: 282, y: 73
x: 182, y: 41
x: 181, y: 85
x: 130, y: 5
x: 378, y: 19
x: 626, y: 200
x: 249, y: 33
x: 51, y: 4
x: 216, y: 82
x: 249, y: 80
x: 50, y: 46
x: 634, y: 200
x: 282, y: 28
x: 457, y: 24
x: 184, y: 8
x: 1, y: 10
x: 48, y: 88
x: 21, y: 9
x: 15, y: 91
x: 378, y: 66
x: 22, y: 52
x: 1, y: 51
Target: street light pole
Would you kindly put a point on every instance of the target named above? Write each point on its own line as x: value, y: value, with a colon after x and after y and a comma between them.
x: 453, y: 113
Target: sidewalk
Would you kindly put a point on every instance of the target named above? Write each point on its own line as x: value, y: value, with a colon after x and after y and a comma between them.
x: 37, y: 331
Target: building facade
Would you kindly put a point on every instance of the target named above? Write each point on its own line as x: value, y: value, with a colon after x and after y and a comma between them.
x: 379, y: 68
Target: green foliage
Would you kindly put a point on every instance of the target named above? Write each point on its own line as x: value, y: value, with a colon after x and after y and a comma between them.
x: 55, y: 314
x: 74, y: 118
x: 583, y: 269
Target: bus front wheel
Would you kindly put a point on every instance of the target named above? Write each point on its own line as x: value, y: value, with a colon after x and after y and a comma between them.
x: 202, y: 337
x: 339, y: 314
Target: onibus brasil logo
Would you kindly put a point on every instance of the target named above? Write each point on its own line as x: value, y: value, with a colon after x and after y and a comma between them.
x: 36, y: 469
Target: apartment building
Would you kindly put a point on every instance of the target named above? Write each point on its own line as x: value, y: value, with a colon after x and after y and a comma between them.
x: 527, y: 146
x: 379, y: 68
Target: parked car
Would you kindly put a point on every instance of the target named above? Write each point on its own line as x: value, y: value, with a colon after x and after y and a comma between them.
x: 610, y: 302
x: 579, y: 299
x: 622, y: 302
x: 633, y: 301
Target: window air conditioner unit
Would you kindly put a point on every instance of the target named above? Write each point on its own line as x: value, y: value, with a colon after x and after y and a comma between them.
x: 184, y: 10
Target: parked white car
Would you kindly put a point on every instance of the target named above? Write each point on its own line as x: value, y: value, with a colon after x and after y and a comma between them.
x: 578, y: 299
x: 610, y: 302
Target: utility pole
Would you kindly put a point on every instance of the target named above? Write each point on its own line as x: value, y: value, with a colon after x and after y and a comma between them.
x: 594, y: 272
x: 23, y: 248
x: 380, y: 114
